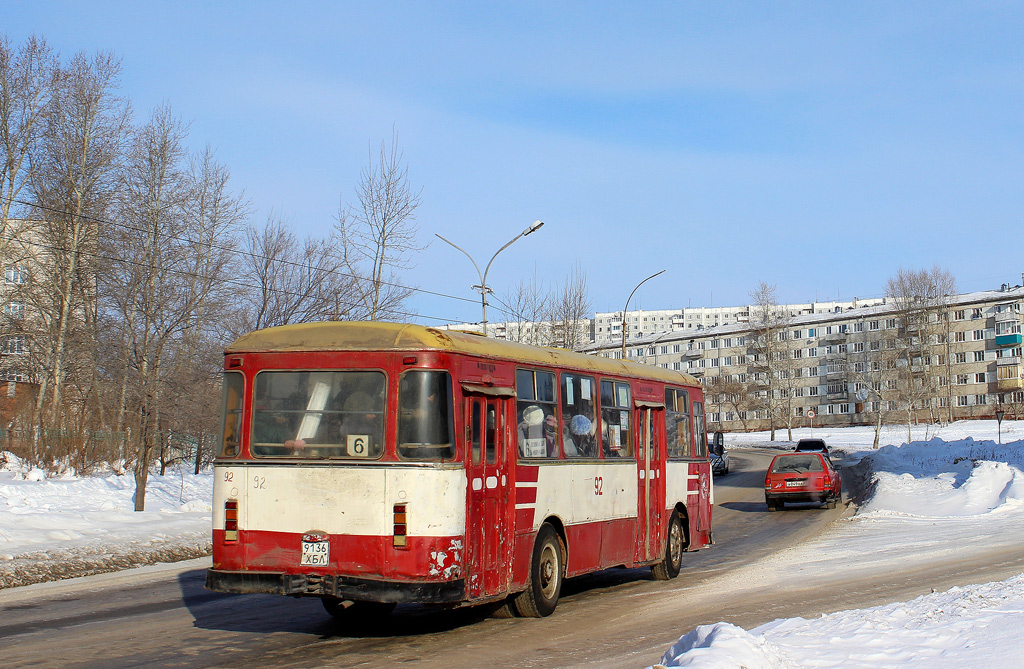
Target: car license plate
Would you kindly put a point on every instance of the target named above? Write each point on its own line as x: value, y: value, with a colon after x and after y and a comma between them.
x: 315, y: 553
x: 794, y: 484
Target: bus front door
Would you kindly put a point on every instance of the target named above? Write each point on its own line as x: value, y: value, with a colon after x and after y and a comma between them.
x: 651, y: 485
x: 488, y: 549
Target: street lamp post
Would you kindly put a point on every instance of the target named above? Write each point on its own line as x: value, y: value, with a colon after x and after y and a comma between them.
x: 483, y: 288
x: 625, y: 308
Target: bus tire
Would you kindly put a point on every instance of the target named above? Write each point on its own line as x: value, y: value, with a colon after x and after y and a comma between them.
x: 546, y: 573
x: 356, y: 611
x: 669, y: 567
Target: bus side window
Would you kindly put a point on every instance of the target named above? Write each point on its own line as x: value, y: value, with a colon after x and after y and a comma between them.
x: 579, y: 422
x: 700, y: 435
x: 536, y: 423
x: 615, y: 411
x: 677, y: 423
x: 425, y: 420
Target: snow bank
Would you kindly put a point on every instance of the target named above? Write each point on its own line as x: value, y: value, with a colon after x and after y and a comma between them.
x: 68, y: 526
x: 928, y: 495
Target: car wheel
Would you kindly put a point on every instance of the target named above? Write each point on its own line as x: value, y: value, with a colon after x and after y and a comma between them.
x: 770, y: 503
x: 669, y: 567
x: 546, y: 571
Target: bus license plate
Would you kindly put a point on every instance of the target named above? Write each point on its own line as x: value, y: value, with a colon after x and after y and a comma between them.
x: 315, y: 553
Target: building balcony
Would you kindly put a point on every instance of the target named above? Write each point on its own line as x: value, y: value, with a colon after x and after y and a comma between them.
x: 835, y: 376
x: 1004, y: 385
x: 834, y: 338
x: 838, y: 395
x: 1008, y: 360
x: 1007, y: 316
x: 693, y: 354
x: 1009, y: 339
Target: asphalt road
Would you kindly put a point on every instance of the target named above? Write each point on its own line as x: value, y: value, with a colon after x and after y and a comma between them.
x: 614, y: 618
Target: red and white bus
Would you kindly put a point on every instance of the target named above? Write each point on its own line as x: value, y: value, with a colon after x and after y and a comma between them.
x: 370, y: 464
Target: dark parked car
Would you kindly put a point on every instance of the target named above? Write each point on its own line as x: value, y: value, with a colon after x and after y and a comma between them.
x: 811, y: 446
x: 802, y: 477
x: 719, y: 456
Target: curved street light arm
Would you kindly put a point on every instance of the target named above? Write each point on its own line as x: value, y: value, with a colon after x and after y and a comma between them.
x: 475, y: 266
x: 625, y: 308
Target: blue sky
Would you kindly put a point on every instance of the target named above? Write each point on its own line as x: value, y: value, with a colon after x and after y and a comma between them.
x: 818, y: 146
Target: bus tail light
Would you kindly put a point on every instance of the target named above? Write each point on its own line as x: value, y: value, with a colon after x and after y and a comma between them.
x: 231, y: 520
x: 400, y: 526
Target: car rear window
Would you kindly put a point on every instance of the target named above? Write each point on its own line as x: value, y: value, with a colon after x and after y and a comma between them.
x: 796, y: 464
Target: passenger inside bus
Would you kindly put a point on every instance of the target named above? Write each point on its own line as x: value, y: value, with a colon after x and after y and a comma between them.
x: 579, y: 438
x: 536, y: 433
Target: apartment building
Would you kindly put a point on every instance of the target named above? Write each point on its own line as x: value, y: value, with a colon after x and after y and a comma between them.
x: 606, y: 327
x: 847, y: 364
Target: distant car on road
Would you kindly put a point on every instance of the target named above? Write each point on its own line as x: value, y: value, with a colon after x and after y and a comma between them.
x: 719, y: 456
x: 811, y: 446
x: 802, y: 477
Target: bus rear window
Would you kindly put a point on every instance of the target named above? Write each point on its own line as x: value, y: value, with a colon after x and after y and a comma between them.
x: 318, y: 414
x: 425, y: 422
x: 231, y: 410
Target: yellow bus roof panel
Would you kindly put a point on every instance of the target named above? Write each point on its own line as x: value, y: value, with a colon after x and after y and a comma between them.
x: 378, y: 336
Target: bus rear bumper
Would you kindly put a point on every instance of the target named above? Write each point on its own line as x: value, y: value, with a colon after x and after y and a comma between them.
x: 331, y: 585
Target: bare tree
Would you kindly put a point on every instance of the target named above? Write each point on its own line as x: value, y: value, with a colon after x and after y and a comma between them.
x: 921, y: 301
x: 294, y: 281
x: 27, y: 82
x: 73, y: 177
x: 527, y: 305
x: 771, y: 356
x: 379, y: 233
x: 569, y: 309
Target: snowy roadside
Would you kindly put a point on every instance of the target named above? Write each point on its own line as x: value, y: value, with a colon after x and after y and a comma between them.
x: 66, y: 527
x: 933, y: 502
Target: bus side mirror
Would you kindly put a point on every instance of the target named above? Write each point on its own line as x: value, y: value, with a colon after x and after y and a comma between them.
x: 718, y: 444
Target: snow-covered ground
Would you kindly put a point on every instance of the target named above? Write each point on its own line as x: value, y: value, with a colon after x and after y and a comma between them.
x: 69, y: 526
x: 952, y: 492
x: 951, y: 482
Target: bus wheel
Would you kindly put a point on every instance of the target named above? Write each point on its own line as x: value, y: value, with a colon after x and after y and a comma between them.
x: 346, y: 608
x: 546, y: 571
x: 669, y: 567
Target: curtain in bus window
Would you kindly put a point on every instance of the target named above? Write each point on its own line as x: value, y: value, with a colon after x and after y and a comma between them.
x: 535, y: 414
x: 338, y: 414
x: 425, y: 420
x: 579, y: 421
x: 617, y: 437
x: 677, y: 423
x: 700, y: 434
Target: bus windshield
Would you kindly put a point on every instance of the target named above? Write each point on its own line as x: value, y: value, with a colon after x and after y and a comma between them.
x: 338, y: 414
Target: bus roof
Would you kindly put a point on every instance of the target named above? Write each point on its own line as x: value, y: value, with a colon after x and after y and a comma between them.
x: 377, y: 336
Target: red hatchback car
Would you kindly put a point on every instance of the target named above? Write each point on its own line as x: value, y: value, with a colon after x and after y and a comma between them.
x: 802, y: 477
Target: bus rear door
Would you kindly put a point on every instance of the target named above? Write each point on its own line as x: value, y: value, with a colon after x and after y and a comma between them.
x: 488, y: 531
x: 651, y: 484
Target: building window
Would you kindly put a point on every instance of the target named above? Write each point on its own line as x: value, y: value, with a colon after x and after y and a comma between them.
x: 960, y: 336
x: 16, y: 274
x: 979, y: 356
x: 980, y: 377
x: 961, y: 379
x: 979, y: 335
x: 14, y: 345
x: 873, y: 325
x: 959, y: 315
x: 960, y: 357
x: 14, y: 309
x: 961, y: 400
x: 975, y: 313
x: 981, y: 399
